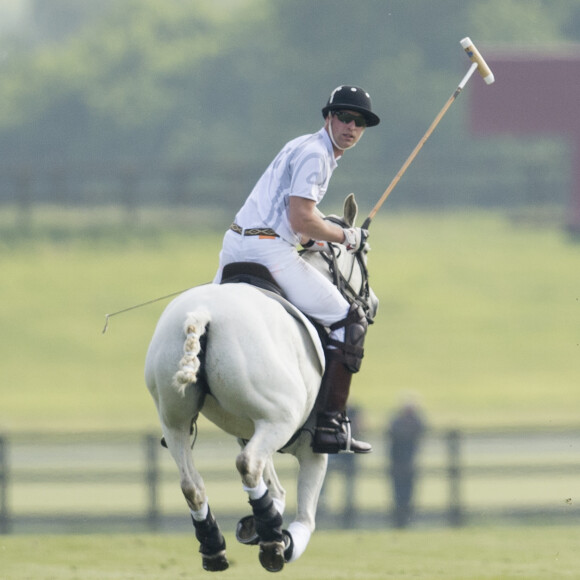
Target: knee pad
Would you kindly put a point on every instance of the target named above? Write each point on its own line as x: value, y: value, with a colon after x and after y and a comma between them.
x: 355, y: 328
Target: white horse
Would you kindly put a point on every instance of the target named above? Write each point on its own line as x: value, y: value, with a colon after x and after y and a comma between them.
x: 252, y: 364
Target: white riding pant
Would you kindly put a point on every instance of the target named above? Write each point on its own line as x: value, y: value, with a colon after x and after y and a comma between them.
x: 304, y: 286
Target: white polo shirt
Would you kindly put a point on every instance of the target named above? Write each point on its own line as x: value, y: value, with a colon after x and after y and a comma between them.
x: 302, y: 168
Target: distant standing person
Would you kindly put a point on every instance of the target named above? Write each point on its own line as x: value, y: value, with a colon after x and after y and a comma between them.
x: 404, y: 434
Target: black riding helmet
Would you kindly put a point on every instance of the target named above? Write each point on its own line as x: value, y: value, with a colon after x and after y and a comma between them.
x: 352, y: 99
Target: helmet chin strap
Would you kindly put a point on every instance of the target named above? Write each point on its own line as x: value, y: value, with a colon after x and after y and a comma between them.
x: 332, y: 136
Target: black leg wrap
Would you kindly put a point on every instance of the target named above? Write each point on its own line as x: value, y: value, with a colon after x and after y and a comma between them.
x: 211, y: 540
x: 267, y: 519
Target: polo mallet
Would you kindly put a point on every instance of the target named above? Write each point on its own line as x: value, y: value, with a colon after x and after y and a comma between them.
x: 484, y: 71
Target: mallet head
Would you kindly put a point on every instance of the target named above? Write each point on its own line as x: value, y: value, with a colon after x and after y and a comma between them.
x: 475, y: 56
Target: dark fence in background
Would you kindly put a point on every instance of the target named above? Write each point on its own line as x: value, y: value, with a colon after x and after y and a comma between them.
x: 129, y: 186
x: 86, y: 482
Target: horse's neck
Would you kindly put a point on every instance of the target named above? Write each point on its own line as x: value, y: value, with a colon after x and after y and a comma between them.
x: 346, y: 264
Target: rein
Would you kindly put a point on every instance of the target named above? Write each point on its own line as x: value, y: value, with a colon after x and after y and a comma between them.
x: 342, y: 281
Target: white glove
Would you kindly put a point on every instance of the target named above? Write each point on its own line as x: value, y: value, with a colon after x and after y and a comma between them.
x: 354, y: 239
x: 315, y: 246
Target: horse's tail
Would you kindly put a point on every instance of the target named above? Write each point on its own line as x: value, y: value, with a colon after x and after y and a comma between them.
x: 195, y: 327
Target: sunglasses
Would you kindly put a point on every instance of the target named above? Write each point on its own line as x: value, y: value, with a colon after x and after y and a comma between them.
x: 346, y: 118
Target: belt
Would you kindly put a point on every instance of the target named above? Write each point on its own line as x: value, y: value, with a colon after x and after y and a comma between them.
x: 262, y: 232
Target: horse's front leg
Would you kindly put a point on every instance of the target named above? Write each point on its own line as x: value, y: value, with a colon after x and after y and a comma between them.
x: 310, y: 480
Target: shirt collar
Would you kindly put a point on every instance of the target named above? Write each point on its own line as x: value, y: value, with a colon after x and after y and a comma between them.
x: 328, y: 143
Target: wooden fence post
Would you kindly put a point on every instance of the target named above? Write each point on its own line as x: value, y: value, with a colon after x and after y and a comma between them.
x: 152, y: 480
x: 454, y: 475
x: 4, y: 481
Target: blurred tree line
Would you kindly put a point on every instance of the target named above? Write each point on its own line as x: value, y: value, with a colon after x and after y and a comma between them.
x: 223, y: 84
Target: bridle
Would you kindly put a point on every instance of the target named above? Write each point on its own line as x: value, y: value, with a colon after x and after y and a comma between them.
x: 342, y: 280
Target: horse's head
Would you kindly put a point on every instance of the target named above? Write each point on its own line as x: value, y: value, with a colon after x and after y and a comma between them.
x: 348, y: 272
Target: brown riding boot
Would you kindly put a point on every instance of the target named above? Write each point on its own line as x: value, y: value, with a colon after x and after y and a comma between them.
x: 333, y: 433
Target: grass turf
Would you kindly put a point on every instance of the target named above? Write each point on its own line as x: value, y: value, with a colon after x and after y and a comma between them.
x: 533, y: 553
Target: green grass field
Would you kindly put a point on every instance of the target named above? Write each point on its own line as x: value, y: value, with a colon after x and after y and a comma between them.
x: 479, y: 316
x: 467, y: 554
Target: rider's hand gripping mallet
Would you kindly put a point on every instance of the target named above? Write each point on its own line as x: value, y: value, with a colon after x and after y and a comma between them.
x: 484, y: 71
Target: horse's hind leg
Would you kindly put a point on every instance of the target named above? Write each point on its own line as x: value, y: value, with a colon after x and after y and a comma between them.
x: 251, y: 463
x: 275, y: 488
x: 212, y: 545
x: 246, y: 529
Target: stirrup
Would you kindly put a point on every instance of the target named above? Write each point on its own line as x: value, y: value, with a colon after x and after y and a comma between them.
x: 334, y: 435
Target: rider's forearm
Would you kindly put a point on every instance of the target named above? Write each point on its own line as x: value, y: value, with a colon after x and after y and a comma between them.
x: 305, y: 220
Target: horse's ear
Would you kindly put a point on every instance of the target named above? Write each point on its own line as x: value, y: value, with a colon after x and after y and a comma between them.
x: 350, y: 210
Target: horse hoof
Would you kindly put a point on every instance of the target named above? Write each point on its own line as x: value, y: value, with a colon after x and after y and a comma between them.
x: 246, y: 531
x: 272, y: 556
x: 215, y: 563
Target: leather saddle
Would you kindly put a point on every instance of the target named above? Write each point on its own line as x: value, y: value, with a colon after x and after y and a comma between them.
x: 251, y: 273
